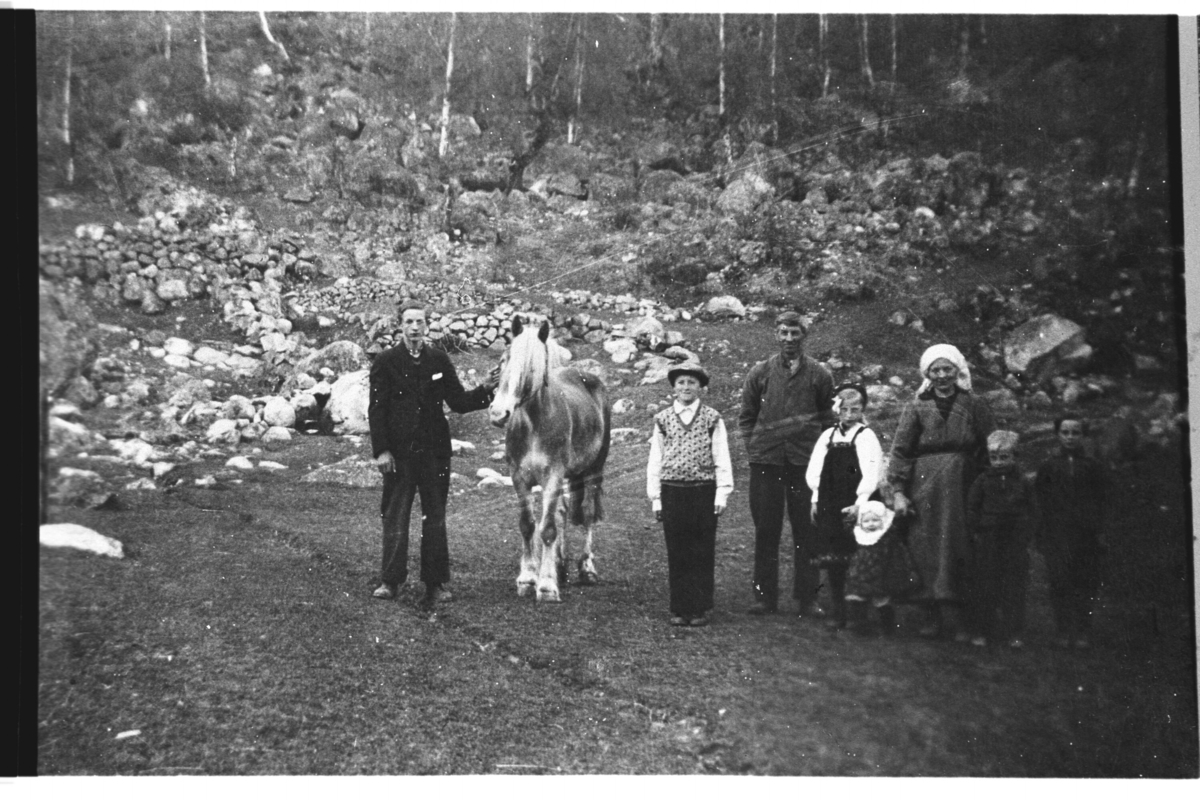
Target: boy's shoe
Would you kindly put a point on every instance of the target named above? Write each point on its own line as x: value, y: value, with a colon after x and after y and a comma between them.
x: 679, y: 621
x: 1082, y: 643
x: 385, y: 591
x: 700, y: 621
x: 759, y: 607
x: 978, y: 641
x: 436, y: 593
x: 1016, y: 643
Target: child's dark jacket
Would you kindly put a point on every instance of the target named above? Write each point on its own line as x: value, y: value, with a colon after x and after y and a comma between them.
x: 1000, y: 501
x: 1071, y: 490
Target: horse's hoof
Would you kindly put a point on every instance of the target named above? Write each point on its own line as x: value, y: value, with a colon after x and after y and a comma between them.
x: 548, y: 597
x: 524, y: 589
x: 588, y: 578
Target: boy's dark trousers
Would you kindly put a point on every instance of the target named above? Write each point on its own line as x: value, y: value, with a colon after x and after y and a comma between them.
x: 428, y: 475
x: 1001, y: 579
x: 1073, y: 565
x: 690, y: 528
x: 772, y: 489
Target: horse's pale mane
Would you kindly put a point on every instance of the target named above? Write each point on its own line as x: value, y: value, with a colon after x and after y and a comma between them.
x: 525, y: 370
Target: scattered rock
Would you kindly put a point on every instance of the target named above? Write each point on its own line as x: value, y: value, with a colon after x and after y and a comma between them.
x: 77, y: 537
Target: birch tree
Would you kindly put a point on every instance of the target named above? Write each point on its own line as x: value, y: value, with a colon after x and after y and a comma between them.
x: 204, y: 51
x: 444, y: 143
x: 823, y: 52
x: 893, y: 88
x: 580, y: 55
x: 266, y: 29
x: 774, y: 53
x: 864, y: 55
x: 66, y: 117
x: 721, y: 69
x: 166, y: 37
x: 529, y: 53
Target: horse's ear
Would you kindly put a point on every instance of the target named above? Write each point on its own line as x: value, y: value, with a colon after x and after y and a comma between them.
x: 544, y: 331
x: 517, y: 325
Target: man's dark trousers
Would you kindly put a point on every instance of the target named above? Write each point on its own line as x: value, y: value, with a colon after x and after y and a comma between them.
x: 428, y: 475
x: 772, y: 488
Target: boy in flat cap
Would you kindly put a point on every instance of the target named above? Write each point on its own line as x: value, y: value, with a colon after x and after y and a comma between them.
x: 689, y: 478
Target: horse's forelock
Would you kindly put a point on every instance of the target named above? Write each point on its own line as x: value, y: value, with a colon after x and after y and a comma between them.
x: 525, y: 369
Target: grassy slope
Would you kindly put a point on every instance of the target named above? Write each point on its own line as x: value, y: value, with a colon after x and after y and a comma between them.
x: 240, y: 639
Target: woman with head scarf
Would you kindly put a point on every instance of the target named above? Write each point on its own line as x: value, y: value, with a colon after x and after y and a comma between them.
x: 939, y: 447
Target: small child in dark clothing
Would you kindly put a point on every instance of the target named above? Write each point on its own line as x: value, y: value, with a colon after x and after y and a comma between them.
x: 1071, y: 489
x: 999, y: 506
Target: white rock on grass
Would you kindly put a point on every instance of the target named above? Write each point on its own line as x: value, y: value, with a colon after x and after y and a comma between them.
x: 271, y: 465
x: 458, y: 447
x: 240, y: 462
x: 623, y: 406
x: 161, y: 468
x: 279, y: 412
x: 67, y: 534
x: 141, y: 485
x: 178, y: 362
x: 178, y: 347
x: 209, y: 357
x: 134, y: 450
x: 206, y: 480
x: 223, y: 431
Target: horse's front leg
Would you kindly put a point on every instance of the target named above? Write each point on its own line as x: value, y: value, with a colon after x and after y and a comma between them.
x: 587, y: 564
x: 527, y: 577
x: 547, y: 584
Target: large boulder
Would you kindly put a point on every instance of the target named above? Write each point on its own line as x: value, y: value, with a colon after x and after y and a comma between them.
x: 77, y: 537
x: 725, y: 306
x: 1045, y: 346
x: 279, y: 413
x: 349, y: 398
x: 66, y: 345
x: 341, y: 356
x: 745, y: 194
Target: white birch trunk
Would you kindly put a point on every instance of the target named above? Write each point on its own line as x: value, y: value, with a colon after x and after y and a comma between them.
x: 774, y: 69
x: 66, y: 118
x: 894, y: 49
x: 721, y: 71
x: 266, y: 29
x: 864, y: 50
x: 445, y: 141
x: 167, y: 39
x: 204, y: 50
x: 580, y: 55
x: 529, y: 57
x: 656, y: 47
x: 823, y: 52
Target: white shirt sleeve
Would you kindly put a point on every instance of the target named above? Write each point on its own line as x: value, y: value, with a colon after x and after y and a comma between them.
x: 870, y: 462
x: 816, y: 462
x: 654, y: 470
x: 720, y: 452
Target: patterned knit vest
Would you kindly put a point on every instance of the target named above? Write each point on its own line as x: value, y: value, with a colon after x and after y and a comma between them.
x: 687, y: 449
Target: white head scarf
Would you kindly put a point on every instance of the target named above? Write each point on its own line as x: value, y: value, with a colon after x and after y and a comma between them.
x: 868, y: 538
x: 951, y: 354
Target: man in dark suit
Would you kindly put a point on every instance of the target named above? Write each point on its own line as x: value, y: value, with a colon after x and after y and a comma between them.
x: 410, y: 439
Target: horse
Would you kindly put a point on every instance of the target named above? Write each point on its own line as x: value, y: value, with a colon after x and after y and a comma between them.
x: 558, y: 423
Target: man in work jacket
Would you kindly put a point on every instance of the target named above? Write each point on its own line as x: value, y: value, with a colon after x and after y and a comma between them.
x: 787, y: 401
x: 410, y: 440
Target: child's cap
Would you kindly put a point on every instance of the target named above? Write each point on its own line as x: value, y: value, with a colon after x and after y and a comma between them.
x: 1002, y: 440
x: 692, y: 368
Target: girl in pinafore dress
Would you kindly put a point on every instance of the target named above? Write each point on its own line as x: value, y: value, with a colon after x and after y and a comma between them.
x: 843, y: 473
